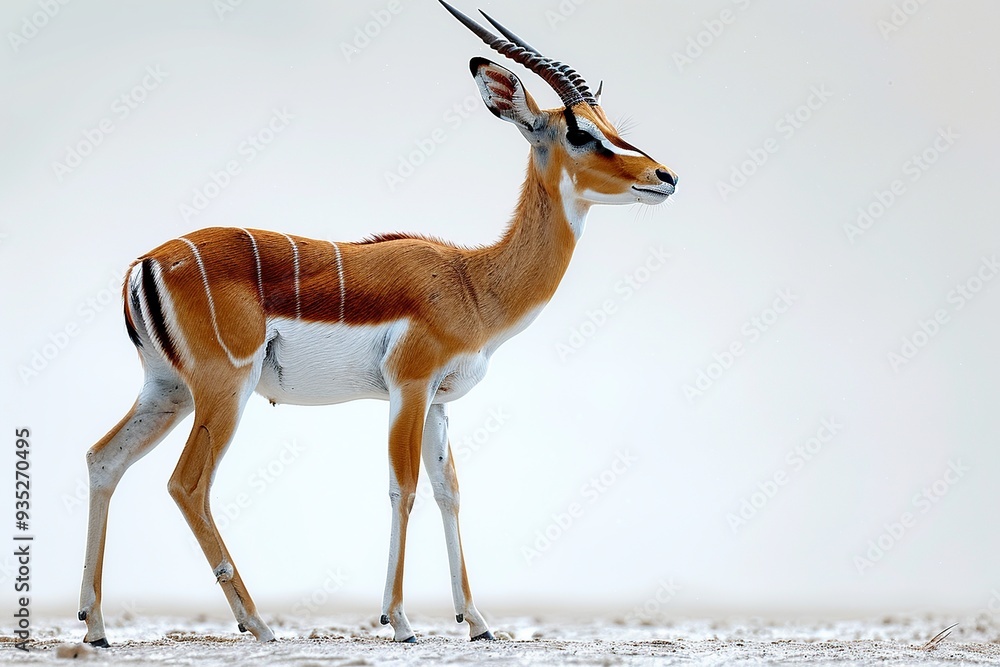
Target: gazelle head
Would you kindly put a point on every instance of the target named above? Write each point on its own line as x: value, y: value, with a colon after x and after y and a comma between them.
x: 575, y: 143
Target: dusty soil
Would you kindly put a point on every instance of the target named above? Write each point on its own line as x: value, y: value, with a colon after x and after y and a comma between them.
x: 347, y: 640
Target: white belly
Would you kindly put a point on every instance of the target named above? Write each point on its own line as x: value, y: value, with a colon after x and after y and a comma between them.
x: 316, y: 363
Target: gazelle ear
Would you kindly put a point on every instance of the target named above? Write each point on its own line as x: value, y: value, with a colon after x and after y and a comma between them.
x: 505, y: 96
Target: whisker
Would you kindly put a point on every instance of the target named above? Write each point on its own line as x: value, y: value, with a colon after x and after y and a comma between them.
x: 625, y: 124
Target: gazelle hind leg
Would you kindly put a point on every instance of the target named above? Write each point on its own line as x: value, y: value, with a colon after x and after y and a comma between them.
x: 162, y: 403
x: 217, y: 412
x: 441, y: 469
x: 407, y: 408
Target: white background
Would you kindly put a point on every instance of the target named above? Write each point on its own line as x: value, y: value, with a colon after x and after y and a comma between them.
x: 665, y: 520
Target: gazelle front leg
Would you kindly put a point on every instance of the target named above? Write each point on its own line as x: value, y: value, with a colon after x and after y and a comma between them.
x: 444, y: 480
x: 407, y: 409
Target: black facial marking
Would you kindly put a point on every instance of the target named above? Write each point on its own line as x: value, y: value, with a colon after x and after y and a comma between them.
x: 579, y: 137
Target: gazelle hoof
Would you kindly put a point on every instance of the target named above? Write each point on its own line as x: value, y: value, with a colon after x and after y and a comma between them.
x: 100, y: 643
x: 409, y: 640
x: 486, y: 636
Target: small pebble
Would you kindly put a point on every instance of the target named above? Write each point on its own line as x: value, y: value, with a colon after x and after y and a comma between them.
x: 74, y: 651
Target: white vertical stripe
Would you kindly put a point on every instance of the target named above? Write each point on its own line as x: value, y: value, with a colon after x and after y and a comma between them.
x: 235, y: 361
x: 340, y: 275
x: 167, y: 311
x: 295, y: 259
x: 256, y: 256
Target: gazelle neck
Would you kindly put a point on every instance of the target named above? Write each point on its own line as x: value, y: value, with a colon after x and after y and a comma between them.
x: 522, y: 270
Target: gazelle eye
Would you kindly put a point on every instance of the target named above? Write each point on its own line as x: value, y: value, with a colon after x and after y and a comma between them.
x: 578, y: 137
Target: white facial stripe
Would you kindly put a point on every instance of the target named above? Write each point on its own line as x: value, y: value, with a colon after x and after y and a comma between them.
x: 605, y: 142
x: 621, y: 151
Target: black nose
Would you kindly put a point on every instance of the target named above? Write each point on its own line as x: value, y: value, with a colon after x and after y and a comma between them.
x: 666, y: 176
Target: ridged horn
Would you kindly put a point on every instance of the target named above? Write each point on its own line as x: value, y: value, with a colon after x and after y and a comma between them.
x: 570, y: 86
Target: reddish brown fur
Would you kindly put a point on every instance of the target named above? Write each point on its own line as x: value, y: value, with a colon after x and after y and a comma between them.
x: 456, y: 299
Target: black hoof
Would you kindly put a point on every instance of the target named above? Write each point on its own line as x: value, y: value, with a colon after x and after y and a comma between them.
x: 82, y: 615
x: 409, y: 640
x: 486, y: 636
x: 242, y: 627
x: 384, y: 619
x: 100, y: 643
x: 459, y: 618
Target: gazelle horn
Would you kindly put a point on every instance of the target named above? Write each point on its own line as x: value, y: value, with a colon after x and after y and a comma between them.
x: 570, y: 86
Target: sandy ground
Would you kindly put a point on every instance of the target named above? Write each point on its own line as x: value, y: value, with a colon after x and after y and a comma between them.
x: 347, y: 640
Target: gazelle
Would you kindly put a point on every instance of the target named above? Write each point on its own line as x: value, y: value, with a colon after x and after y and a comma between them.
x: 219, y: 313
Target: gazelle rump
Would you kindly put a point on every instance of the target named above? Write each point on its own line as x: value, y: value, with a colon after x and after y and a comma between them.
x: 221, y: 313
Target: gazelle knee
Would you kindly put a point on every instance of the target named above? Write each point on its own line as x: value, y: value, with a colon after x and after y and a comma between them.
x: 403, y: 499
x: 181, y: 495
x: 224, y: 572
x: 446, y: 498
x: 104, y: 469
x: 166, y: 395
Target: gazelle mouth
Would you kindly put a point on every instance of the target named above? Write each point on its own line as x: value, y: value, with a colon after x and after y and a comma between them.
x: 659, y: 194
